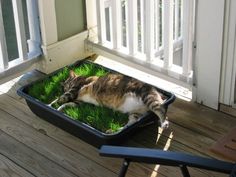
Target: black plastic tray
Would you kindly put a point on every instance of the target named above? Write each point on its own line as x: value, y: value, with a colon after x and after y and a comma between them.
x: 82, y: 130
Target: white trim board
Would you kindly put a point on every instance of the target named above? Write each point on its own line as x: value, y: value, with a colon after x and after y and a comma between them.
x: 63, y: 53
x: 228, y: 70
x: 145, y: 75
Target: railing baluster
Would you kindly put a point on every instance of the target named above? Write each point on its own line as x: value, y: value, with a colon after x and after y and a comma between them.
x: 3, y: 45
x: 34, y: 42
x: 168, y: 34
x: 132, y: 27
x: 176, y: 19
x: 187, y: 36
x: 157, y: 24
x: 142, y: 25
x: 149, y: 30
x: 162, y: 22
x: 116, y: 24
x: 20, y: 29
x: 101, y: 21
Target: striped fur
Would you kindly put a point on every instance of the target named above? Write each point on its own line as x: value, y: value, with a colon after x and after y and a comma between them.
x: 117, y: 92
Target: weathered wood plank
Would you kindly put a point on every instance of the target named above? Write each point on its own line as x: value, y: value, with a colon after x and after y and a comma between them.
x: 65, y: 157
x: 77, y: 145
x: 10, y: 169
x: 34, y: 162
x: 200, y: 119
x: 194, y: 128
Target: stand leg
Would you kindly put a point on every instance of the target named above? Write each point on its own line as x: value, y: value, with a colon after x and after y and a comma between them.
x: 124, y: 168
x: 184, y: 171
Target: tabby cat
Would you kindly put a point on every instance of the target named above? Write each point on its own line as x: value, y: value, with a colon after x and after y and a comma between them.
x: 116, y: 91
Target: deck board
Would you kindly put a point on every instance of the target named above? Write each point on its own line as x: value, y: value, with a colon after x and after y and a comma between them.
x: 46, y: 149
x: 9, y: 168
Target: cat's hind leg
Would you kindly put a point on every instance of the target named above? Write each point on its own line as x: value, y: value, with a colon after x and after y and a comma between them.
x: 154, y: 102
x: 133, y: 117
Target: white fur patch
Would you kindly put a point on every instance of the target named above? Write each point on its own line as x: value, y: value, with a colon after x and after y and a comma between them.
x: 132, y: 103
x: 88, y: 99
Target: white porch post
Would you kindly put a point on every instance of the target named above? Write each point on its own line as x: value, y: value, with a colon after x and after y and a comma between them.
x: 228, y: 70
x: 3, y: 45
x: 48, y: 22
x: 209, y: 30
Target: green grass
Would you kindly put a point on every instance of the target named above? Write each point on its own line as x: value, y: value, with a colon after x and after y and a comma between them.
x: 101, y: 118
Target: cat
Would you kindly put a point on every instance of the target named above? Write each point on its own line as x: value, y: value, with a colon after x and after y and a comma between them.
x: 115, y: 91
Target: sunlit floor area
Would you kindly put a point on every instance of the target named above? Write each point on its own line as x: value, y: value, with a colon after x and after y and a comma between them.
x: 30, y: 146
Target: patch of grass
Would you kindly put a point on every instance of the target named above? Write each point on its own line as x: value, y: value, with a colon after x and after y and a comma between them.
x: 100, y: 118
x: 50, y: 88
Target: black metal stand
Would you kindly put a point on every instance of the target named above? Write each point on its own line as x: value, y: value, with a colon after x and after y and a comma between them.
x: 184, y: 171
x: 153, y: 156
x: 124, y: 168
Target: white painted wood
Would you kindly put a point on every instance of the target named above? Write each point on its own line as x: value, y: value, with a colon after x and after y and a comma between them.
x: 132, y: 27
x: 209, y: 28
x: 176, y: 32
x: 34, y: 42
x: 116, y: 24
x: 135, y: 63
x: 181, y: 18
x: 101, y: 21
x: 3, y: 45
x: 157, y: 24
x: 149, y: 30
x: 64, y: 53
x: 187, y: 36
x: 20, y: 28
x: 228, y: 70
x: 48, y: 21
x: 91, y: 16
x: 142, y: 24
x: 162, y: 22
x: 168, y: 34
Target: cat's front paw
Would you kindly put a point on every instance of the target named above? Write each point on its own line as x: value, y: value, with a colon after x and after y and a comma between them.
x: 62, y: 99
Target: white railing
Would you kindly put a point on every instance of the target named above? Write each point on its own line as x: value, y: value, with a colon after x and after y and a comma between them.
x: 150, y: 31
x: 27, y: 49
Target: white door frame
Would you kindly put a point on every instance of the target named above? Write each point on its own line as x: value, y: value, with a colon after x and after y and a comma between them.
x: 228, y: 70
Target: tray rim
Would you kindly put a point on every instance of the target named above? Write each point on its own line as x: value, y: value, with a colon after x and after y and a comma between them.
x: 22, y: 92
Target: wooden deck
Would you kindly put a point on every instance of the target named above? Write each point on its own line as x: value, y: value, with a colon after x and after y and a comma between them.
x: 29, y: 146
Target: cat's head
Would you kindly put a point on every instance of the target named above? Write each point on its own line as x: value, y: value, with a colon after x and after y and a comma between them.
x: 70, y: 81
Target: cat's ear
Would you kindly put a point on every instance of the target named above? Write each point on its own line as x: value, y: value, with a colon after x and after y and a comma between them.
x: 72, y: 73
